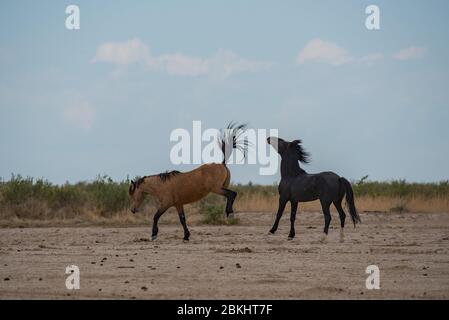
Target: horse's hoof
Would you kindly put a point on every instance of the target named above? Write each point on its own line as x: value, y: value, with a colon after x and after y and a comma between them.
x: 290, y: 238
x: 271, y: 232
x: 185, y: 240
x: 230, y: 215
x: 153, y: 238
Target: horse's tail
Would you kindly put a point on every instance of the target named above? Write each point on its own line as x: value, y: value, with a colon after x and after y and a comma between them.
x: 350, y: 201
x: 230, y: 139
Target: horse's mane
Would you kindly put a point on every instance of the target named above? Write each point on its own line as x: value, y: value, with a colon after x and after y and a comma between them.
x: 303, y: 155
x: 289, y: 164
x: 140, y: 181
x: 164, y: 176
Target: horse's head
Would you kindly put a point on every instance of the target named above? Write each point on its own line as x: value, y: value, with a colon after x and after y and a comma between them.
x: 137, y: 195
x: 289, y: 150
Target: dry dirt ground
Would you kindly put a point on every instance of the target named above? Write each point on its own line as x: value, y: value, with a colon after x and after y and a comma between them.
x: 223, y: 262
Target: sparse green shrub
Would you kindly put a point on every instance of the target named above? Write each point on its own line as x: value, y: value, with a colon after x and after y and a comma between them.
x: 22, y: 195
x: 401, y: 188
x: 108, y: 195
x: 68, y: 196
x: 17, y: 190
x: 214, y: 214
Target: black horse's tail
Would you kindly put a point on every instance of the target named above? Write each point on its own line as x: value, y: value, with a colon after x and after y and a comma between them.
x: 230, y: 139
x: 350, y: 201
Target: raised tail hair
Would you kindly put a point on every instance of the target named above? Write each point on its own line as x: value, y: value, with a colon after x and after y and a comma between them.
x: 350, y: 201
x: 231, y: 138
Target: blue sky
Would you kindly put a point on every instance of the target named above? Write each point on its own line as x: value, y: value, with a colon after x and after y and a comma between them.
x: 104, y: 99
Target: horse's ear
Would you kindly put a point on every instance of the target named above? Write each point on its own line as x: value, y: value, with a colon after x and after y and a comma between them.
x: 296, y: 142
x: 132, y: 187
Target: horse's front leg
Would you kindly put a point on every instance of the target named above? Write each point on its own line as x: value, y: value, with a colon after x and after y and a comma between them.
x: 282, y: 203
x: 156, y: 217
x: 291, y: 235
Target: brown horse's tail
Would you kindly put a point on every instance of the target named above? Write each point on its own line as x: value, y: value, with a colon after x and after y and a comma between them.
x: 231, y: 139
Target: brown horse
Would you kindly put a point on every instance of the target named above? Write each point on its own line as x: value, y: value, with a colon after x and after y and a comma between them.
x: 175, y: 189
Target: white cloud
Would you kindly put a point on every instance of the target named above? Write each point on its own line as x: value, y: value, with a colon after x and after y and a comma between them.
x: 179, y: 64
x: 228, y: 63
x: 81, y: 115
x: 122, y: 53
x: 410, y: 53
x: 321, y: 51
x: 222, y: 64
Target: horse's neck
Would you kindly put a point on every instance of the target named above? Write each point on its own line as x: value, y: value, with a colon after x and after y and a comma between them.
x: 290, y: 168
x: 150, y: 185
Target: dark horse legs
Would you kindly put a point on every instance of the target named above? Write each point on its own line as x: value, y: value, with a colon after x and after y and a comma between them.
x: 325, y: 205
x: 156, y: 217
x: 291, y: 235
x: 294, y: 208
x: 342, y: 215
x: 327, y: 215
x: 230, y: 197
x: 282, y: 204
x: 182, y: 219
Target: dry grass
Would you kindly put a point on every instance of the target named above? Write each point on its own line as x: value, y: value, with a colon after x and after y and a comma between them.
x: 196, y: 214
x: 28, y: 202
x: 122, y: 218
x: 258, y: 203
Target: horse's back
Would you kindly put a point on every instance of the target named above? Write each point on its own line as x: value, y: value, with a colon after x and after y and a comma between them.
x: 329, y: 176
x: 309, y: 187
x: 191, y: 186
x: 213, y: 172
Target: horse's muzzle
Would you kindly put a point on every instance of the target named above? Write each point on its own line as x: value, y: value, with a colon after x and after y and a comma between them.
x: 134, y: 210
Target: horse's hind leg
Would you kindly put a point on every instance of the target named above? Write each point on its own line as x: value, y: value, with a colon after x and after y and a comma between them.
x: 182, y: 219
x: 342, y: 215
x: 292, y: 220
x: 156, y: 217
x: 230, y: 197
x: 327, y: 218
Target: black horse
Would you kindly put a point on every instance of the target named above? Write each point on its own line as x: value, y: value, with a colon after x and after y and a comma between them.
x: 298, y: 186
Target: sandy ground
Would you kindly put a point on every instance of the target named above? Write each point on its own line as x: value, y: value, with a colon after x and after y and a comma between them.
x: 223, y: 262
